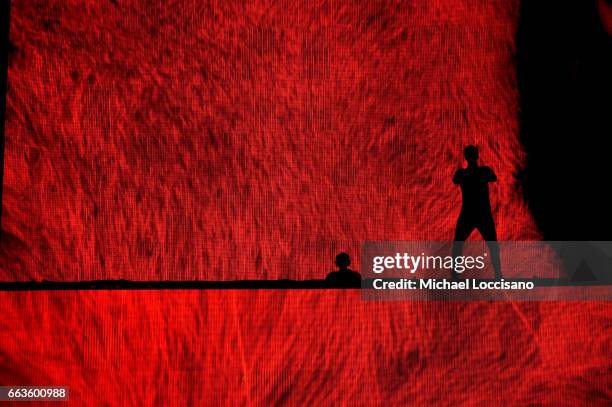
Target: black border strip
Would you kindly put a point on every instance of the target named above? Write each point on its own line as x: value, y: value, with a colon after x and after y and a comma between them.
x: 165, y: 285
x: 237, y: 285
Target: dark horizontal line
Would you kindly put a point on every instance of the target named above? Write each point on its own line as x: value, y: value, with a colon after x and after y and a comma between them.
x: 163, y: 285
x: 234, y: 285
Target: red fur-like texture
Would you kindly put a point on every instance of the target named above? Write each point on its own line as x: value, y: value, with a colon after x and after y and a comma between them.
x: 231, y: 140
x: 181, y: 140
x: 304, y: 348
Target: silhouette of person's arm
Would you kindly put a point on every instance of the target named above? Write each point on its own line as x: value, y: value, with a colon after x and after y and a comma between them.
x: 490, y: 175
x: 458, y: 176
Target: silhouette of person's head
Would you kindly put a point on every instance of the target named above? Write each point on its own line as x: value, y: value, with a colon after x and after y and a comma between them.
x: 343, y: 261
x: 344, y: 277
x: 471, y: 154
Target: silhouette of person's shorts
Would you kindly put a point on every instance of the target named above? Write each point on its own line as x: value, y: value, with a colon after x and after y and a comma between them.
x: 466, y: 225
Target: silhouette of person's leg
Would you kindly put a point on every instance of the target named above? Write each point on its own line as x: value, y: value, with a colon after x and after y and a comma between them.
x: 462, y: 231
x: 489, y: 234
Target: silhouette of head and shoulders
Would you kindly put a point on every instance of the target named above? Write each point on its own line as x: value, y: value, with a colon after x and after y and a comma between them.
x: 474, y: 180
x: 344, y: 277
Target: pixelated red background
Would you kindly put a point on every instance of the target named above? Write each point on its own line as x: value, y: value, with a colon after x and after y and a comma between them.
x: 228, y: 140
x: 233, y: 140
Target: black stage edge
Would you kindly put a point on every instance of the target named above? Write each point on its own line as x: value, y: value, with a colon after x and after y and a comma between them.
x: 235, y: 285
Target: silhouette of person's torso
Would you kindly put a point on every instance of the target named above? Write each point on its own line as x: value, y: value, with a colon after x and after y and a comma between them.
x: 474, y: 183
x: 344, y: 278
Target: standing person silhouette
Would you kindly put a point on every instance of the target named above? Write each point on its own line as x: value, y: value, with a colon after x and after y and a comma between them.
x: 476, y: 207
